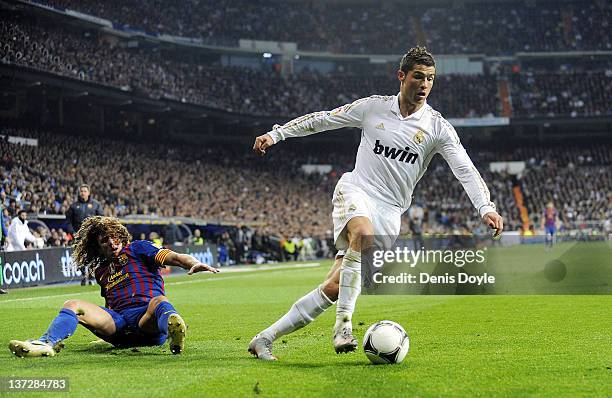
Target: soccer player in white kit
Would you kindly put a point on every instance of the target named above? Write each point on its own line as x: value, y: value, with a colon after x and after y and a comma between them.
x: 400, y: 135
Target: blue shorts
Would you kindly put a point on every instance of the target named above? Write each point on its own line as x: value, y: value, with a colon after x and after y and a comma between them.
x: 127, y: 333
x: 551, y: 231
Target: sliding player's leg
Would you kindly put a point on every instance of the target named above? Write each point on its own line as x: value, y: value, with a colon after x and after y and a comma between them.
x: 301, y: 313
x: 360, y: 236
x: 161, y: 320
x: 64, y: 326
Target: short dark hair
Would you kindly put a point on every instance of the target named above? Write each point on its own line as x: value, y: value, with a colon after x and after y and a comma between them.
x: 22, y: 211
x: 416, y: 56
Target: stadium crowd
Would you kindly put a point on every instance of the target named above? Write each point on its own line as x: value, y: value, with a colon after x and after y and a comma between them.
x: 370, y: 27
x: 577, y: 181
x: 447, y: 208
x: 509, y: 27
x: 274, y: 196
x: 564, y: 93
x: 267, y: 92
x: 159, y: 180
x: 234, y: 89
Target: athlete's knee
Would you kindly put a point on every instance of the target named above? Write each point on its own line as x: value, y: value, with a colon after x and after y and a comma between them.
x: 361, y: 235
x: 331, y: 287
x: 155, y: 301
x: 72, y: 304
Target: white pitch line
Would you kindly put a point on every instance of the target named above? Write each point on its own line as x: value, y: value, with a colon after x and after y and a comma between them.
x: 267, y: 267
x: 271, y: 268
x: 45, y: 297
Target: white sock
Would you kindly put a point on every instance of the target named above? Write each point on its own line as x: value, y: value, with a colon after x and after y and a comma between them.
x: 301, y: 313
x: 350, y: 287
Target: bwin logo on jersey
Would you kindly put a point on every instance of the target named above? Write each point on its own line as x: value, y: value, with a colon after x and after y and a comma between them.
x: 404, y: 154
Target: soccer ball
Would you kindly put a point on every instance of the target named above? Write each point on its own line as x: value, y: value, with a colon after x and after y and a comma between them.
x: 386, y: 342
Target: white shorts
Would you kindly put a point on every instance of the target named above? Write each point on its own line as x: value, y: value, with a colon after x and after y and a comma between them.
x: 351, y: 201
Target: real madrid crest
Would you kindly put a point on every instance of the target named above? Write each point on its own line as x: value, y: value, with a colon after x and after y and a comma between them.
x: 419, y: 137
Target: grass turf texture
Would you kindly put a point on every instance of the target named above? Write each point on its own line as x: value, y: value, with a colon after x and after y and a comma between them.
x: 477, y: 346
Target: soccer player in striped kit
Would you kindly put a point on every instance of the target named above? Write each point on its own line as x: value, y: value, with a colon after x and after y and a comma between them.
x: 400, y: 135
x: 136, y: 312
x: 550, y: 220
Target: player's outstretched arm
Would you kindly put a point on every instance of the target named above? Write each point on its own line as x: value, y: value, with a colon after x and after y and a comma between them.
x: 350, y: 115
x: 188, y: 262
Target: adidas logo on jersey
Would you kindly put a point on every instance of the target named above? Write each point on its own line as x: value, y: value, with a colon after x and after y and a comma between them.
x: 380, y: 126
x: 404, y: 154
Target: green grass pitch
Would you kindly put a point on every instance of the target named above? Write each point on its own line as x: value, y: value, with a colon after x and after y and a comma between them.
x: 460, y: 346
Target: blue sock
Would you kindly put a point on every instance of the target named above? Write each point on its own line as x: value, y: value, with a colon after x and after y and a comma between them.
x: 162, y: 312
x: 62, y: 327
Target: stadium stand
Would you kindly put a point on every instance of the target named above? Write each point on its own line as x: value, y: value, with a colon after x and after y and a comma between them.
x: 266, y: 92
x: 212, y: 183
x: 577, y: 181
x: 564, y: 92
x: 157, y: 180
x: 236, y: 89
x: 369, y: 27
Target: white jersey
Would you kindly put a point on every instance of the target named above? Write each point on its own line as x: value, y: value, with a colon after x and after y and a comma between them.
x: 394, y: 151
x: 18, y: 232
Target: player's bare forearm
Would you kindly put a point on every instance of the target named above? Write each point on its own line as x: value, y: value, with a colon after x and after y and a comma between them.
x: 188, y: 262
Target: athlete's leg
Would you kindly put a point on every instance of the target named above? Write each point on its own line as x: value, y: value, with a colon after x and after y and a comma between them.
x: 360, y: 236
x: 331, y: 285
x: 63, y: 326
x: 158, y: 311
x: 553, y: 237
x: 301, y: 313
x: 91, y: 316
x: 550, y: 233
x: 162, y: 318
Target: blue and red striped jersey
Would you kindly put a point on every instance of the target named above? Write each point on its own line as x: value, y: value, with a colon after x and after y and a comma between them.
x: 550, y: 217
x: 134, y: 277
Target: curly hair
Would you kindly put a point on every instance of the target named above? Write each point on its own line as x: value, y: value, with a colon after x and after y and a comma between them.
x: 86, y: 250
x: 416, y: 56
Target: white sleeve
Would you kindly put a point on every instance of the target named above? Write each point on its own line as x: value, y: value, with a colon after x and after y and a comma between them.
x: 12, y: 231
x: 13, y: 238
x: 29, y: 236
x: 350, y: 115
x: 464, y: 170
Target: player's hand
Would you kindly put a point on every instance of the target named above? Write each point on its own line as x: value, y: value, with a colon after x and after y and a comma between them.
x: 262, y: 143
x: 201, y: 267
x: 494, y: 221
